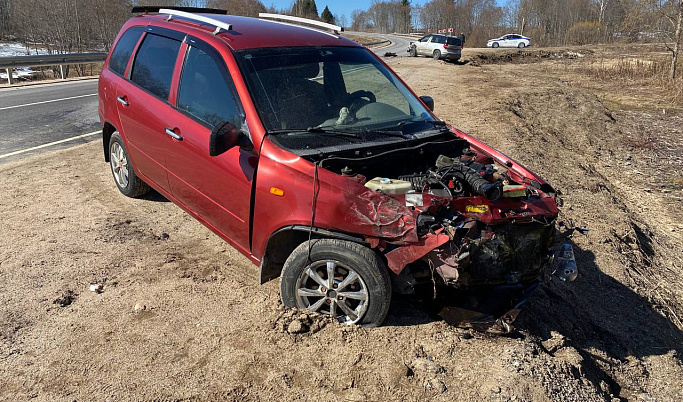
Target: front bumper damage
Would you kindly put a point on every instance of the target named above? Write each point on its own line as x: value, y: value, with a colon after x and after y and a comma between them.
x: 480, y: 275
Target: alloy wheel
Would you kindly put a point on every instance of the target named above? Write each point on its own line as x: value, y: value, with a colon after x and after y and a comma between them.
x: 329, y: 287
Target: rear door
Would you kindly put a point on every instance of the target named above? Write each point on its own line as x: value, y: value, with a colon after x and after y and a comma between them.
x: 143, y: 103
x: 216, y: 189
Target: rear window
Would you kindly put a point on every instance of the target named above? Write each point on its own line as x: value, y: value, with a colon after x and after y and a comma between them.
x: 454, y: 41
x: 123, y: 50
x: 154, y: 64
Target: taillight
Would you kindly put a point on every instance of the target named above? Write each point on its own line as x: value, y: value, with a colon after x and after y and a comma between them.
x: 445, y: 45
x: 462, y: 46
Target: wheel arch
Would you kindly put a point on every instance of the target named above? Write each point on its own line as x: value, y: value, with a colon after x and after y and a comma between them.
x: 107, y: 131
x: 283, y: 241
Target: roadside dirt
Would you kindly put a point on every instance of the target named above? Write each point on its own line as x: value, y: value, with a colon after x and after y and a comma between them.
x: 181, y: 316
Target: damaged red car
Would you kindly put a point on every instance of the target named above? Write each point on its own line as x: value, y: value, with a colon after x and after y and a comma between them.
x: 310, y: 156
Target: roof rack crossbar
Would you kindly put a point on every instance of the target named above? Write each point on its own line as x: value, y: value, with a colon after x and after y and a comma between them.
x: 207, y: 20
x: 155, y: 9
x: 335, y: 28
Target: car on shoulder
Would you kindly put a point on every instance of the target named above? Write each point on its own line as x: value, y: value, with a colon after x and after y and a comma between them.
x: 439, y: 47
x: 510, y: 40
x: 311, y: 157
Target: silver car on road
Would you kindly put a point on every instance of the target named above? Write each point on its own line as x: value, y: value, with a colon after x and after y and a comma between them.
x: 438, y: 47
x: 510, y: 40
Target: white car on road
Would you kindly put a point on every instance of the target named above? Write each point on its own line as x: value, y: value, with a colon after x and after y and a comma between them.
x: 510, y: 40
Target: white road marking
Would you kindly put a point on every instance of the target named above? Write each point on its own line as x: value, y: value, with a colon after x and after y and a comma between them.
x: 49, y: 144
x: 47, y: 101
x: 47, y: 84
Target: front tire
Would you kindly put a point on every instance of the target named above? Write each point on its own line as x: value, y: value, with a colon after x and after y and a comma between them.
x: 413, y: 51
x: 128, y: 183
x: 436, y: 55
x: 342, y: 279
x: 495, y: 45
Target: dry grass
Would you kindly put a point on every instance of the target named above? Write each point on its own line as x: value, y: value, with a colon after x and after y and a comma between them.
x: 652, y: 72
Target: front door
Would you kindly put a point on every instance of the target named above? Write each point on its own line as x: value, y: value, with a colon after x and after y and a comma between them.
x: 216, y: 188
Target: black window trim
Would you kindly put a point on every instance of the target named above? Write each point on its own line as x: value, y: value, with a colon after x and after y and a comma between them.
x: 151, y: 32
x: 225, y: 72
x: 132, y: 53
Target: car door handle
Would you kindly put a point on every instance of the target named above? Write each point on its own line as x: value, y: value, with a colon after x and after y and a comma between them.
x: 122, y: 101
x: 174, y: 135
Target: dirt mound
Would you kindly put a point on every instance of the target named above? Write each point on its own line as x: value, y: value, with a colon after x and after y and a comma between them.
x: 524, y: 56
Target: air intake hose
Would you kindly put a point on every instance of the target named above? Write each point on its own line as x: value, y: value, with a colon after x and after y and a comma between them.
x: 479, y: 185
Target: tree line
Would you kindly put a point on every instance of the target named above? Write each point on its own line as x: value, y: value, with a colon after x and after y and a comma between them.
x: 72, y: 26
x: 548, y: 22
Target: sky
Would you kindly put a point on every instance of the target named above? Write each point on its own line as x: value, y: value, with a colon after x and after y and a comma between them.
x: 338, y: 6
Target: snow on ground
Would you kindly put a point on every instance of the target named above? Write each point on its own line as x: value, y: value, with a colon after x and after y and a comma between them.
x: 17, y: 49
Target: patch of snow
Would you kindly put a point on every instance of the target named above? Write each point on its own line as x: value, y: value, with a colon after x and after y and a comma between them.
x: 17, y: 49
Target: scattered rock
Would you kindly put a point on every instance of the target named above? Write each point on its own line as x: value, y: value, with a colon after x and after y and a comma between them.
x: 296, y: 327
x: 139, y: 307
x: 164, y: 236
x: 97, y: 287
x: 426, y: 367
x: 466, y: 335
x: 556, y: 342
x: 436, y: 385
x: 66, y: 298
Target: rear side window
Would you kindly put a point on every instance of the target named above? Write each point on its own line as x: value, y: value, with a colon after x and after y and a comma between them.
x: 154, y: 63
x: 123, y: 50
x: 454, y: 41
x: 439, y: 39
x: 206, y: 92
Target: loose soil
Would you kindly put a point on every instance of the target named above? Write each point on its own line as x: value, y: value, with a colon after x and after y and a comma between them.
x: 181, y: 316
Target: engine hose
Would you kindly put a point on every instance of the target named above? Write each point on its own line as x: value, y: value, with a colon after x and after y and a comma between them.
x: 481, y: 186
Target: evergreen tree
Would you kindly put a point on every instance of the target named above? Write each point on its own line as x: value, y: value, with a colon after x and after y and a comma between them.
x: 327, y: 16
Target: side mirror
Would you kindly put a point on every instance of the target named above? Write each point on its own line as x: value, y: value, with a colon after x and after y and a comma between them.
x: 226, y: 136
x: 429, y: 101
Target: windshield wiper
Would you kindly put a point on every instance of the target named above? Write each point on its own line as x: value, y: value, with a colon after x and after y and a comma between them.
x: 436, y: 123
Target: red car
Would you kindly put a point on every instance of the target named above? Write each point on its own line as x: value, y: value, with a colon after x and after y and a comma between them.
x: 309, y: 155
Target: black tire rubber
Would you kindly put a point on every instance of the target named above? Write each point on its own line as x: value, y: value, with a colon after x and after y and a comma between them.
x: 521, y: 45
x: 136, y: 187
x: 363, y: 260
x: 437, y: 54
x: 495, y: 45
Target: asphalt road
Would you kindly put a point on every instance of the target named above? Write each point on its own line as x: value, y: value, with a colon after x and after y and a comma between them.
x: 34, y: 116
x: 45, y: 117
x: 399, y: 44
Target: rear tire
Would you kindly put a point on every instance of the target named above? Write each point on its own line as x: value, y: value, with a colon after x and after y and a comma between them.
x: 436, y: 55
x: 359, y: 291
x: 128, y: 183
x: 521, y: 45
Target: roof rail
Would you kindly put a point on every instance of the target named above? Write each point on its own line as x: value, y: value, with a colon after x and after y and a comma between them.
x: 207, y: 20
x: 155, y: 9
x: 335, y: 28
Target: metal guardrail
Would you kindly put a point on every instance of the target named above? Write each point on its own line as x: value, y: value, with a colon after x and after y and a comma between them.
x: 43, y: 60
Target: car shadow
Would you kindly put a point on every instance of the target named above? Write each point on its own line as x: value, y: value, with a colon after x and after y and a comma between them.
x: 155, y: 196
x: 594, y: 313
x: 599, y: 312
x: 461, y: 62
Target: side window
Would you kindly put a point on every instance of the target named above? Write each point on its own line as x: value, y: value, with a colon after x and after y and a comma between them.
x: 439, y: 39
x: 154, y: 63
x: 124, y: 48
x: 205, y: 91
